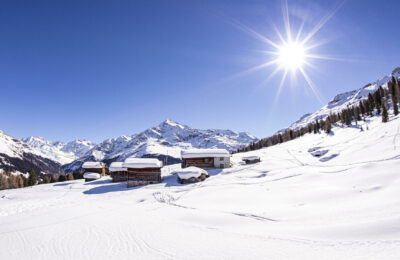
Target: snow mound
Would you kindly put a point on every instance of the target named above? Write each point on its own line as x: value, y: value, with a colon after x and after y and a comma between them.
x: 91, y: 175
x: 191, y: 172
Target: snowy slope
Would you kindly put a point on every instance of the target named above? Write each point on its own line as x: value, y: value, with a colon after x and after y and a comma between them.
x: 168, y: 138
x: 58, y: 151
x: 16, y: 155
x: 342, y: 204
x: 342, y: 101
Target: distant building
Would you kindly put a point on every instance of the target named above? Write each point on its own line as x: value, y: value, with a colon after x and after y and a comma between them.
x: 206, y: 158
x: 93, y: 170
x: 142, y: 171
x: 118, y: 172
x: 251, y: 159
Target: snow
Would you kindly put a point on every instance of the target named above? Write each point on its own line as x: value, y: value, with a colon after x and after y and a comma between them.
x: 344, y: 100
x: 200, y: 153
x: 292, y: 205
x: 190, y: 172
x: 93, y: 165
x: 116, y: 167
x: 138, y: 163
x: 91, y: 175
x: 168, y: 138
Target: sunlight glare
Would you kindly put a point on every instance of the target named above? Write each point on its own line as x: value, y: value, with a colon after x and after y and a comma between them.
x: 291, y: 56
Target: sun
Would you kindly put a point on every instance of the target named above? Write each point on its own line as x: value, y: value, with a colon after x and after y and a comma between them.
x: 291, y: 56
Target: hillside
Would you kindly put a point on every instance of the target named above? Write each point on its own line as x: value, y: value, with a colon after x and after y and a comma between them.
x: 317, y: 197
x: 343, y: 100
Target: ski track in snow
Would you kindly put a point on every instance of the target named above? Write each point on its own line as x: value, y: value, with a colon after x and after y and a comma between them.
x: 292, y: 205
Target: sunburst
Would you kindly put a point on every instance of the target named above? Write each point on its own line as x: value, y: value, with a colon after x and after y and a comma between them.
x: 293, y: 53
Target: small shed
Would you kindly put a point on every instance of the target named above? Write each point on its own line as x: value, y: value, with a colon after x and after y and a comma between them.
x: 206, y: 158
x: 251, y: 159
x: 118, y: 172
x: 142, y: 171
x: 94, y: 167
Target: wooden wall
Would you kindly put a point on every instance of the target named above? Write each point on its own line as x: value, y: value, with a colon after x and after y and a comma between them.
x: 198, y: 162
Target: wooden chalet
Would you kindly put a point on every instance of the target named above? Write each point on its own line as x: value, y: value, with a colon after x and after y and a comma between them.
x: 93, y: 170
x: 206, y: 158
x: 118, y: 172
x: 142, y: 171
x: 251, y: 159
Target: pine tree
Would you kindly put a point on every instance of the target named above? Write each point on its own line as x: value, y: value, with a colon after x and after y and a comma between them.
x: 328, y: 126
x: 25, y: 181
x: 62, y: 177
x: 54, y: 178
x: 20, y: 181
x: 394, y: 98
x: 32, y: 179
x: 385, y: 116
x: 12, y: 182
x: 70, y: 176
x: 46, y: 179
x: 3, y: 181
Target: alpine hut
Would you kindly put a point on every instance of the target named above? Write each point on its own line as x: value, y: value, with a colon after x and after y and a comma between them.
x: 118, y: 172
x: 93, y: 170
x: 251, y: 159
x: 206, y: 158
x: 142, y: 171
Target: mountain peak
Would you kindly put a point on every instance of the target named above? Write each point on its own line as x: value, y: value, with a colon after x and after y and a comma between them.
x: 171, y: 123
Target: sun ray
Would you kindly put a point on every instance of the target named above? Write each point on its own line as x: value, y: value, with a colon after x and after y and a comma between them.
x: 323, y: 21
x: 312, y: 86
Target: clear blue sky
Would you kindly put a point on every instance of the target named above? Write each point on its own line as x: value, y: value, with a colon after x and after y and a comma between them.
x: 100, y: 69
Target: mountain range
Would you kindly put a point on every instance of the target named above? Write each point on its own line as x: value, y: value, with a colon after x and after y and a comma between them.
x: 164, y: 141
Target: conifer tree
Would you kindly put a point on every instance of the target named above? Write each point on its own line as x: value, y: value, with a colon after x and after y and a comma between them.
x: 70, y: 177
x: 25, y: 181
x: 3, y: 181
x: 12, y: 182
x: 328, y: 126
x: 46, y: 179
x: 394, y: 98
x: 32, y: 179
x: 385, y: 116
x: 20, y: 181
x: 62, y: 177
x: 54, y: 178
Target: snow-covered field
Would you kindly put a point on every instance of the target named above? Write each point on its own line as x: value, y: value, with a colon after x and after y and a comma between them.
x: 318, y: 197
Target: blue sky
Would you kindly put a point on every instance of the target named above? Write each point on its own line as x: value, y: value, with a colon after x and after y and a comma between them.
x: 100, y: 69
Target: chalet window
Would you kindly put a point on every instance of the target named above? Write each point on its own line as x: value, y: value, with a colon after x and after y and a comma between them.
x: 221, y: 166
x: 221, y: 158
x: 206, y: 160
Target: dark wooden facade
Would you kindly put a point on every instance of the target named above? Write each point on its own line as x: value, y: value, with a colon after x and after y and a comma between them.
x: 204, y: 163
x: 142, y: 176
x: 101, y: 171
x: 118, y: 176
x: 249, y: 161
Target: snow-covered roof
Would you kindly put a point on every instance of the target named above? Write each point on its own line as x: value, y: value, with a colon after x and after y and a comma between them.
x: 116, y: 167
x: 252, y: 157
x: 190, y: 172
x: 91, y: 175
x: 93, y: 165
x: 200, y: 153
x: 139, y: 163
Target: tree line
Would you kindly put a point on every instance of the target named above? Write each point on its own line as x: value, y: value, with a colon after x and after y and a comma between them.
x: 376, y: 104
x: 11, y: 181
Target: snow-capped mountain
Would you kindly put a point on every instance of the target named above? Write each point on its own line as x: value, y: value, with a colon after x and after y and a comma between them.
x: 17, y: 155
x: 60, y: 152
x: 343, y: 100
x: 165, y: 140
